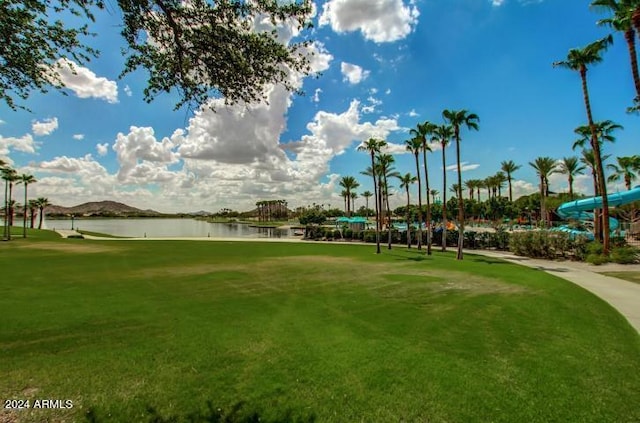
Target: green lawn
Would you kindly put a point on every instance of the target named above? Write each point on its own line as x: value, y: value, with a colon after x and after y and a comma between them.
x: 628, y: 276
x: 155, y: 330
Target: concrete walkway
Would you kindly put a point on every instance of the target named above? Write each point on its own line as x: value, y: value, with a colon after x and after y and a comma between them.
x: 66, y: 233
x: 624, y: 296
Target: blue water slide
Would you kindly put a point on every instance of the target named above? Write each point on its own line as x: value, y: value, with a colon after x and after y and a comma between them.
x: 582, y: 209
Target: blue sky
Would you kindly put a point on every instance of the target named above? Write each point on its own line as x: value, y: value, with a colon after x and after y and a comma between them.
x: 384, y: 67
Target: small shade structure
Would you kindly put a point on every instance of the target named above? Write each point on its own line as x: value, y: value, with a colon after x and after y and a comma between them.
x: 355, y: 223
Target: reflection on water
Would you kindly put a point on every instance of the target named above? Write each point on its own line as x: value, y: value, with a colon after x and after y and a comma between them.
x: 156, y: 228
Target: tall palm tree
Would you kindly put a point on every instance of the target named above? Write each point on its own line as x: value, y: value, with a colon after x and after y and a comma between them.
x: 26, y: 180
x: 500, y: 179
x: 544, y: 166
x: 443, y: 134
x: 423, y: 131
x: 470, y: 184
x: 386, y: 171
x: 621, y: 21
x: 579, y: 60
x: 367, y: 195
x: 373, y: 146
x: 589, y: 160
x: 33, y: 208
x: 354, y: 195
x: 42, y: 203
x: 10, y: 176
x: 405, y: 182
x: 625, y: 169
x: 509, y: 167
x: 349, y: 183
x: 458, y: 118
x: 414, y: 145
x: 571, y: 167
x: 344, y: 194
x: 433, y: 193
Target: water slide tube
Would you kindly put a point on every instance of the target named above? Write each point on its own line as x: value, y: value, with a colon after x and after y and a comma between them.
x: 582, y: 209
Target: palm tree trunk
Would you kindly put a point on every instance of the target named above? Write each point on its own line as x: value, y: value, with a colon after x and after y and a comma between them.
x: 408, y: 218
x: 419, y: 205
x: 510, y: 193
x: 375, y: 192
x: 24, y: 212
x: 428, y: 219
x: 6, y: 209
x: 595, y: 144
x: 630, y: 37
x: 570, y: 186
x: 444, y: 202
x: 543, y: 206
x: 386, y: 199
x: 10, y: 211
x: 460, y: 200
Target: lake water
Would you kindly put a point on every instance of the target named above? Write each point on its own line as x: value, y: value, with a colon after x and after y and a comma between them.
x: 160, y: 228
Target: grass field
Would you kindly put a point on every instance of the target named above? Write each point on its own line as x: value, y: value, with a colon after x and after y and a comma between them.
x: 154, y: 331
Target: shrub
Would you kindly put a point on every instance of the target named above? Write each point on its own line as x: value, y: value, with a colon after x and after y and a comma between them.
x: 597, y: 259
x: 624, y: 255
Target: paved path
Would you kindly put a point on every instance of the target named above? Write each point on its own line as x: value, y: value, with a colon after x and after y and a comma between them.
x: 622, y: 295
x: 66, y: 233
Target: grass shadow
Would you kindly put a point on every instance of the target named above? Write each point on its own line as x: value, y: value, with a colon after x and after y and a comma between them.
x: 238, y: 413
x: 489, y: 260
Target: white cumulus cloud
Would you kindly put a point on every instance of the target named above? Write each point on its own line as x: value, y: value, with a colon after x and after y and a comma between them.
x: 354, y: 74
x: 25, y: 144
x: 84, y: 83
x: 45, y: 127
x: 102, y: 149
x: 78, y: 137
x: 379, y: 21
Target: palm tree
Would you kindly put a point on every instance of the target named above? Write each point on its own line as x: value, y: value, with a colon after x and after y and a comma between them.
x: 386, y: 171
x: 344, y: 196
x: 443, y: 134
x: 373, y: 146
x: 470, y: 184
x: 423, y: 131
x: 604, y: 130
x: 42, y: 203
x: 500, y: 179
x: 544, y: 166
x: 509, y: 167
x: 348, y: 183
x: 626, y: 170
x: 405, y: 182
x: 414, y: 145
x: 579, y: 60
x: 26, y: 180
x: 589, y: 160
x: 433, y: 193
x: 571, y: 167
x: 455, y: 190
x: 458, y: 118
x: 33, y: 208
x: 10, y: 176
x: 621, y: 20
x: 367, y: 195
x: 354, y: 195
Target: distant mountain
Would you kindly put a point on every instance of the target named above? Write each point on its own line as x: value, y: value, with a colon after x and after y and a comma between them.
x: 100, y: 208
